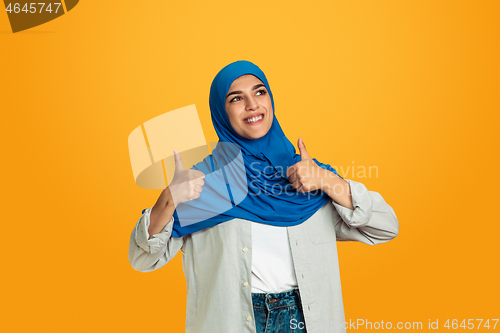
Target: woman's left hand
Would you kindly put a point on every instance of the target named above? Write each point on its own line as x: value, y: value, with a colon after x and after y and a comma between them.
x: 306, y: 175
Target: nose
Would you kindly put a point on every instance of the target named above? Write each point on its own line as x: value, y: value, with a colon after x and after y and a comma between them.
x: 252, y: 104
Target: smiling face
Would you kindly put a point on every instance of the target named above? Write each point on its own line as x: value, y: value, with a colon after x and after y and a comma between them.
x: 247, y: 99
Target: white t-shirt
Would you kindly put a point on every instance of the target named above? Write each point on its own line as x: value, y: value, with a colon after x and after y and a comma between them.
x: 272, y: 265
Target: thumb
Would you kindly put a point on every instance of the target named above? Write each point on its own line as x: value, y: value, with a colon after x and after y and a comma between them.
x: 304, y: 155
x: 178, y: 161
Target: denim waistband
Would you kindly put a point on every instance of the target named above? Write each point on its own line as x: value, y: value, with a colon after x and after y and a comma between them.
x: 276, y: 300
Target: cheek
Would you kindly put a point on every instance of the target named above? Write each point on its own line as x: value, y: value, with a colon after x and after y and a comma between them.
x: 231, y: 115
x: 270, y: 121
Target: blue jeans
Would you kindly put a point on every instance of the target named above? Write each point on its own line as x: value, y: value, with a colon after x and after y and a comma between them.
x: 278, y: 312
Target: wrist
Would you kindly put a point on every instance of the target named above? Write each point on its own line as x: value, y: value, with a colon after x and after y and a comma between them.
x: 170, y: 199
x: 329, y: 181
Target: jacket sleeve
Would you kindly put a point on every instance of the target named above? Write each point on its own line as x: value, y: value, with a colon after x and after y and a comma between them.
x: 371, y: 222
x: 146, y: 255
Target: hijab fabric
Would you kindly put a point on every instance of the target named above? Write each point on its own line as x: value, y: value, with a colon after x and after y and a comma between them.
x: 258, y: 183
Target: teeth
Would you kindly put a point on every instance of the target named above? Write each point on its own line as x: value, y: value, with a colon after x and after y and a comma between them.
x: 254, y: 119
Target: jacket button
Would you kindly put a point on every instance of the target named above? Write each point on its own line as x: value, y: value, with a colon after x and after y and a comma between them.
x: 245, y: 249
x: 245, y: 284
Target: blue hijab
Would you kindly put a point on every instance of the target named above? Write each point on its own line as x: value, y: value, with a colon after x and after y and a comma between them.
x: 246, y: 178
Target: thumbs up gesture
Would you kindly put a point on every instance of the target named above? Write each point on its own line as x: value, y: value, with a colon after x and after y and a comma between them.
x: 306, y: 175
x: 187, y: 184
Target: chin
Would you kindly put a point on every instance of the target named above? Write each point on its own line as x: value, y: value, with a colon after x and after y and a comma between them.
x: 256, y: 136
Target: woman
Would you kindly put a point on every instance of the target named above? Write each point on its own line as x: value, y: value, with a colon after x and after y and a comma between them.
x: 268, y: 261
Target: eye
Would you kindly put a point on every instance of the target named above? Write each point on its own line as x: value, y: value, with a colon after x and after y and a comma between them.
x: 262, y: 92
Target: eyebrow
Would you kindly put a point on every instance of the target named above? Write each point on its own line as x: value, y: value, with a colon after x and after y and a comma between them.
x: 240, y: 92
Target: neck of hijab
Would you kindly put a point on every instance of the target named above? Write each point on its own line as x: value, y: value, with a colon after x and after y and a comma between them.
x: 246, y: 178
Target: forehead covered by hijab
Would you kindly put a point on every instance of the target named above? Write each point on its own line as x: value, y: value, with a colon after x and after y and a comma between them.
x: 219, y: 89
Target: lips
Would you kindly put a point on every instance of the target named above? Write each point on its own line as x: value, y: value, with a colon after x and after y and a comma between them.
x: 254, y: 115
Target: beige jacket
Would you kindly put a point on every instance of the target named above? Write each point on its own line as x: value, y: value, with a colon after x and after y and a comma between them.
x: 217, y: 262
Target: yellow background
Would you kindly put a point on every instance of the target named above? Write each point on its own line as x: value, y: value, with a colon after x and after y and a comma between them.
x: 411, y: 87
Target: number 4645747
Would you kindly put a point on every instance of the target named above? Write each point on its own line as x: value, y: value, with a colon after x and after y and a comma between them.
x: 471, y: 324
x: 33, y: 7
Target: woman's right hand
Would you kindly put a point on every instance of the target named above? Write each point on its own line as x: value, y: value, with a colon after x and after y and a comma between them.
x: 186, y: 186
